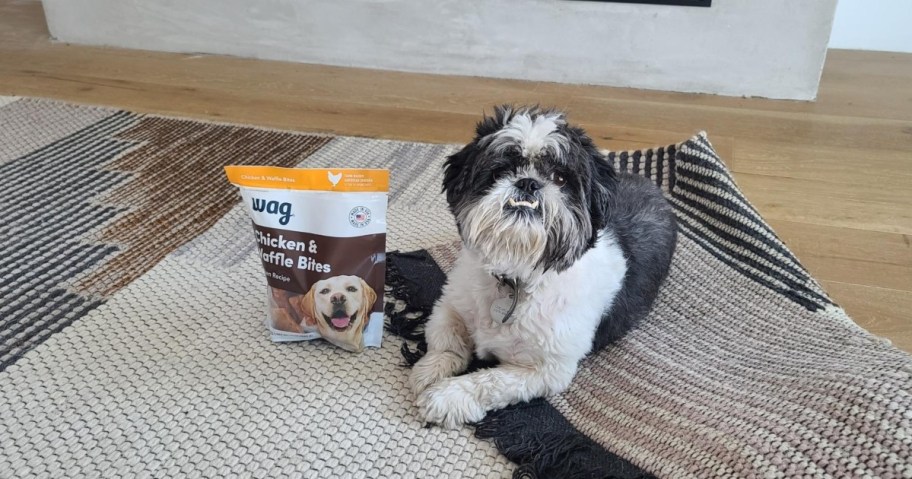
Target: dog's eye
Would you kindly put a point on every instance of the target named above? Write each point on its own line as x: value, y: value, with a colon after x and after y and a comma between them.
x: 513, y: 152
x: 352, y: 289
x: 324, y: 291
x: 557, y: 179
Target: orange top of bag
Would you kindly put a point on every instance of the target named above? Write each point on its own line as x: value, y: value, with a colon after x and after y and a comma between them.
x: 352, y: 180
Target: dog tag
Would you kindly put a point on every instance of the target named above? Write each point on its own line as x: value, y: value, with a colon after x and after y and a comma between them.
x: 502, y: 309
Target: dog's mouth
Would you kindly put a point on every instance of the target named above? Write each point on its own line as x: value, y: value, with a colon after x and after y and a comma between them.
x: 523, y: 203
x: 339, y: 320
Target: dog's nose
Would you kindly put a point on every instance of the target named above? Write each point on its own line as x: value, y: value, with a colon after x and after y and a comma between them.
x: 528, y: 185
x: 337, y: 298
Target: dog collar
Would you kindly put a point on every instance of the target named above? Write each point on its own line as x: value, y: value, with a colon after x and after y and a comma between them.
x: 502, y: 309
x: 503, y: 280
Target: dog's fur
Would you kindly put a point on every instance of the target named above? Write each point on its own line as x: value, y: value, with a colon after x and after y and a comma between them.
x: 535, y: 202
x: 331, y: 302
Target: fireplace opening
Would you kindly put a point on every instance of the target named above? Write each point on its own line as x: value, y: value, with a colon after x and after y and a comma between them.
x: 684, y: 3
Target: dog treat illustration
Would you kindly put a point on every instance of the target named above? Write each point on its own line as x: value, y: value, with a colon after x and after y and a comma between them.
x: 321, y: 237
x: 339, y: 307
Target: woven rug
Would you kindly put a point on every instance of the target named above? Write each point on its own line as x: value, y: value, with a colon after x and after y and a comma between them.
x: 132, y: 344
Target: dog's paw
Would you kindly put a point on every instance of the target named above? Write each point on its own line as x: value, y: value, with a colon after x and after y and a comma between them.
x: 428, y: 371
x: 451, y: 403
x: 422, y: 376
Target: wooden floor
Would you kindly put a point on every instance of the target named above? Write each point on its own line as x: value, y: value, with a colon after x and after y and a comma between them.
x: 833, y: 177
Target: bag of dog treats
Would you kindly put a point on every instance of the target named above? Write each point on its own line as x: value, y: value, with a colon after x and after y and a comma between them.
x: 321, y: 236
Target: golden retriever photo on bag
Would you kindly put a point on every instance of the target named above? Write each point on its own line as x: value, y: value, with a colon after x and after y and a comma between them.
x: 340, y: 309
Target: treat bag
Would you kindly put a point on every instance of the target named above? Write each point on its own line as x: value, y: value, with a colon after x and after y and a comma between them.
x: 321, y: 236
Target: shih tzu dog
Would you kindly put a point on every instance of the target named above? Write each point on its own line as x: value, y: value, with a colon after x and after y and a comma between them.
x: 561, y: 256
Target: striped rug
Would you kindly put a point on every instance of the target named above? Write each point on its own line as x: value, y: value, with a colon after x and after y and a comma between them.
x: 131, y: 342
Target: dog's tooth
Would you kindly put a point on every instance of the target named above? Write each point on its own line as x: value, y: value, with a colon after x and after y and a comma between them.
x: 526, y: 204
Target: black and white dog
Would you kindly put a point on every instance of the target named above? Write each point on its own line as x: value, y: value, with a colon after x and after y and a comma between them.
x: 561, y: 256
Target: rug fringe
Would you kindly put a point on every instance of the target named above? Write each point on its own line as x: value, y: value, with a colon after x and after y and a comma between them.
x: 535, y: 436
x: 406, y: 316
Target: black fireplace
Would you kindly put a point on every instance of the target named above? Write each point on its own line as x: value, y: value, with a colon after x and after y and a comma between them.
x: 685, y: 3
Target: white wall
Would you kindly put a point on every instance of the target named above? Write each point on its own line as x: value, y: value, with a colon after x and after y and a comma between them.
x: 873, y: 25
x: 768, y: 48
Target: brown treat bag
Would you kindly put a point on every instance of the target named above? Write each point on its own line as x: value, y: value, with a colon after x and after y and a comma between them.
x: 321, y: 236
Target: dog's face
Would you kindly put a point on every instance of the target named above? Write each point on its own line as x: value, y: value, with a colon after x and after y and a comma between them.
x: 529, y: 192
x: 340, y: 308
x: 340, y: 301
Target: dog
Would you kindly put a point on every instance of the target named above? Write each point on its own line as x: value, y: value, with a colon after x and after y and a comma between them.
x: 339, y: 308
x: 561, y: 255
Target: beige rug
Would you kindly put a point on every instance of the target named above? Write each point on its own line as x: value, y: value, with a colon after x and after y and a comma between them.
x: 131, y: 342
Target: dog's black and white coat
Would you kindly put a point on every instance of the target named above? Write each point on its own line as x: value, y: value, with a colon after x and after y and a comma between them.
x: 537, y: 206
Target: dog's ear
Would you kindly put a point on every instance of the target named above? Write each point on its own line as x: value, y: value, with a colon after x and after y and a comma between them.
x: 491, y: 124
x: 457, y: 170
x: 603, y: 179
x: 369, y: 294
x: 456, y: 173
x: 370, y: 297
x: 305, y: 306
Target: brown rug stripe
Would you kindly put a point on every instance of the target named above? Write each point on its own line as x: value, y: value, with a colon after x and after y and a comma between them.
x: 178, y: 188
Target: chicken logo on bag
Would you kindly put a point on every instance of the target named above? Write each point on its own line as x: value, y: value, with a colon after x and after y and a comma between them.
x: 334, y: 178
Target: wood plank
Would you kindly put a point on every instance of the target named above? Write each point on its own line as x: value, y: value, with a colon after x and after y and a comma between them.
x: 847, y: 255
x: 884, y: 312
x: 846, y: 71
x: 843, y: 166
x: 110, y: 67
x: 115, y: 78
x: 821, y: 202
x: 759, y: 124
x: 343, y: 113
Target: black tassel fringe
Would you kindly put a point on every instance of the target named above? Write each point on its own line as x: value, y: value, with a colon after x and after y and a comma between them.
x: 407, y: 314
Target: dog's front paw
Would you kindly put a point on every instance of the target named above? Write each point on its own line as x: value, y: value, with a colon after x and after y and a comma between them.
x: 431, y: 368
x: 451, y: 403
x: 423, y: 375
